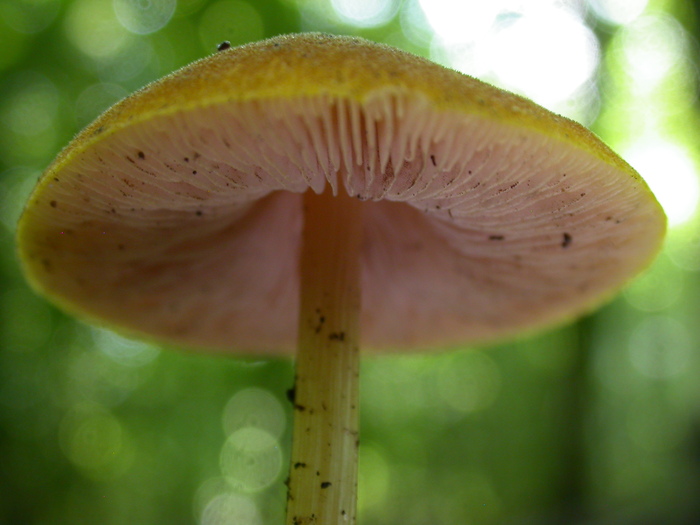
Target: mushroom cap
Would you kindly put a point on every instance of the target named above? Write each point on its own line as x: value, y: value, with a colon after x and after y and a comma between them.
x: 177, y: 214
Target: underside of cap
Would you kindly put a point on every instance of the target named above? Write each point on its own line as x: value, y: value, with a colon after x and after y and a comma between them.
x: 182, y: 224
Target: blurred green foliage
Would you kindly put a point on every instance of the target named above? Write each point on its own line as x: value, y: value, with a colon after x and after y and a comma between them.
x: 593, y: 423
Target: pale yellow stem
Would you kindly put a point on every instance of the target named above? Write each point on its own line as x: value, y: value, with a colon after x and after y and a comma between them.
x: 323, y: 473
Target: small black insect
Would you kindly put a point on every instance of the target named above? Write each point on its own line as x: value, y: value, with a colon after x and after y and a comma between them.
x: 223, y: 45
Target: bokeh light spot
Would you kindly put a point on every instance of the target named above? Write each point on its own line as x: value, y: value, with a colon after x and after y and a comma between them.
x: 123, y: 351
x: 94, y: 440
x: 651, y: 47
x: 93, y: 28
x: 545, y: 55
x: 251, y: 460
x: 254, y: 407
x: 365, y: 13
x: 671, y: 175
x: 414, y: 24
x: 231, y: 509
x: 618, y: 12
x: 144, y: 16
x: 460, y: 21
x: 542, y: 50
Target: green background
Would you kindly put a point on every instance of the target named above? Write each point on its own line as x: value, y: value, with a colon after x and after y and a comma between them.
x: 596, y: 422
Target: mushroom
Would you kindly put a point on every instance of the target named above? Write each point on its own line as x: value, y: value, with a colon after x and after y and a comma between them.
x: 321, y: 193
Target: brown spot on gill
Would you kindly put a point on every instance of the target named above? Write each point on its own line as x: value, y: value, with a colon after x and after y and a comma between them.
x: 566, y: 240
x: 337, y: 336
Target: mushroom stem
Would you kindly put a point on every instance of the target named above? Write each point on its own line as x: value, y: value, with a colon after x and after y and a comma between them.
x: 323, y: 473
